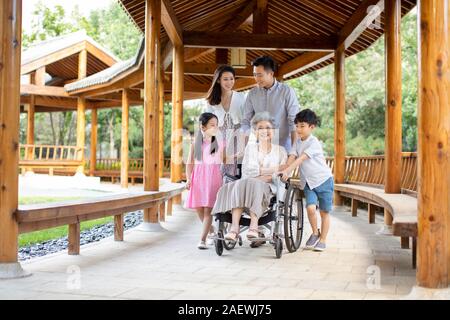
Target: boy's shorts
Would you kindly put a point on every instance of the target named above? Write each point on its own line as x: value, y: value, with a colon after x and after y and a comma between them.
x: 322, y: 195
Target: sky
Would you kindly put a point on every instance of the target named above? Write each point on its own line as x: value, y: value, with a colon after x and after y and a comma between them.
x: 85, y: 7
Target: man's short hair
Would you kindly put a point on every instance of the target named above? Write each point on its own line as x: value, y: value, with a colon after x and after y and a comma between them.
x: 267, y: 62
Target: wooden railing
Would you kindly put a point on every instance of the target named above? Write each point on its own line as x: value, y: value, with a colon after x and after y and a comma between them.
x: 47, y: 152
x: 46, y: 158
x: 370, y: 170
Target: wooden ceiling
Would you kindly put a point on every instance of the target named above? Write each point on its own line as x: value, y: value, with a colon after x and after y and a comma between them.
x: 309, y: 18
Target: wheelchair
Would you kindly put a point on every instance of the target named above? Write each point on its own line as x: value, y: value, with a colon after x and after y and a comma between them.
x: 283, y: 217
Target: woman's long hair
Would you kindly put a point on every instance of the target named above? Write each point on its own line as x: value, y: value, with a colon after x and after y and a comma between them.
x: 204, y: 119
x: 214, y: 95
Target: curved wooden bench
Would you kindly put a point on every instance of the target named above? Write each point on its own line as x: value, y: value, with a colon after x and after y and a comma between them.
x: 44, y: 216
x: 402, y: 209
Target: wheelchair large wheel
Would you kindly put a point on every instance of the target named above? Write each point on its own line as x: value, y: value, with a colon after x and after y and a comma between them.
x: 219, y: 243
x: 227, y: 244
x: 293, y: 219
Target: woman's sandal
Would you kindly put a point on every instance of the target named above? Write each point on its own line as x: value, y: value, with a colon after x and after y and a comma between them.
x: 252, y: 234
x: 231, y: 235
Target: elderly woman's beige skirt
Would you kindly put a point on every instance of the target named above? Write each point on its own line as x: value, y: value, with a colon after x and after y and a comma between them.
x: 251, y: 194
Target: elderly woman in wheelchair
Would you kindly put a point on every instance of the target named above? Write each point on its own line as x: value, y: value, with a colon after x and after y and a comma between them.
x: 253, y: 192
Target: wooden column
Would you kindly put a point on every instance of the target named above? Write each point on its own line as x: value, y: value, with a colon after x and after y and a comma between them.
x: 30, y: 127
x: 393, y: 122
x: 81, y: 111
x: 81, y: 135
x: 339, y: 120
x: 433, y: 259
x: 161, y: 122
x: 124, y: 140
x: 37, y: 78
x: 10, y: 35
x: 82, y: 64
x: 151, y: 105
x: 93, y: 159
x: 176, y: 161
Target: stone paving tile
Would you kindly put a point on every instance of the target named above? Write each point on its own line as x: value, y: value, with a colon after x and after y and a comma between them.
x: 167, y: 265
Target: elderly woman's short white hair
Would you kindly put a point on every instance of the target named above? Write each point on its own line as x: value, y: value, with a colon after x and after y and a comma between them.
x: 262, y: 116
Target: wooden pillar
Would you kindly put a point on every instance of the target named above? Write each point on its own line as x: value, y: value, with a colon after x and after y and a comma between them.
x: 10, y: 52
x: 93, y: 159
x: 81, y: 135
x: 339, y: 120
x: 176, y: 163
x: 433, y: 254
x: 82, y: 64
x: 81, y: 111
x: 393, y: 122
x: 124, y: 140
x: 161, y: 122
x: 151, y: 105
x: 30, y: 128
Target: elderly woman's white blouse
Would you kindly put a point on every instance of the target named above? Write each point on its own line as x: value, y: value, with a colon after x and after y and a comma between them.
x: 254, y: 160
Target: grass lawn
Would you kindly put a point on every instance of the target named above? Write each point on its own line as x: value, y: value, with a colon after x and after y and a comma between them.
x: 53, y: 233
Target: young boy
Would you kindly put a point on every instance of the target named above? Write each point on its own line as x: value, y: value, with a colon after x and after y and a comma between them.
x: 316, y: 178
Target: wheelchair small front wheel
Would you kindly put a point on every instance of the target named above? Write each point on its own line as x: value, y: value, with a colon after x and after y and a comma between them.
x: 219, y: 244
x: 278, y: 247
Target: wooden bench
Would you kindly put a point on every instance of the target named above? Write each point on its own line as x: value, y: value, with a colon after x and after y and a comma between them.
x: 44, y: 216
x: 50, y: 165
x: 400, y: 210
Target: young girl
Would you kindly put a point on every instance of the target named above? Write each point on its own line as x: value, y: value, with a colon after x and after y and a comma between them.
x: 203, y: 173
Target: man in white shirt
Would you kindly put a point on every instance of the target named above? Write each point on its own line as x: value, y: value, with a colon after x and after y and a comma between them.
x: 316, y: 178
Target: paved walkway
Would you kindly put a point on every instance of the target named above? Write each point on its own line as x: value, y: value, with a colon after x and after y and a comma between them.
x: 167, y: 265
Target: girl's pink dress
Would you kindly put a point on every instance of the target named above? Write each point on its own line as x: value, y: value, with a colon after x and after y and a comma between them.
x: 206, y: 178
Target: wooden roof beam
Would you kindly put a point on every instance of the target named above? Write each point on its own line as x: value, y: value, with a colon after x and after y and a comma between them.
x: 53, y: 57
x: 43, y: 90
x: 207, y: 69
x: 261, y: 17
x: 258, y: 41
x: 364, y: 15
x: 354, y: 27
x: 234, y: 23
x: 171, y: 24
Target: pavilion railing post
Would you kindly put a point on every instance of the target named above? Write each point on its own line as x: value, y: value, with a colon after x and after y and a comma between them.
x: 177, y: 118
x: 433, y: 254
x: 10, y: 55
x: 393, y: 113
x: 93, y: 155
x: 339, y: 120
x: 124, y: 140
x: 151, y: 109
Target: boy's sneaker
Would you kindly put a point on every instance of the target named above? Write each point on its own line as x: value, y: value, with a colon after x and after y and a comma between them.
x: 202, y: 245
x: 320, y: 246
x: 312, y: 241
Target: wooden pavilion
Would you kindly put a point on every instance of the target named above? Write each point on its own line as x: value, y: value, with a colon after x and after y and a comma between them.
x: 186, y: 40
x: 45, y: 68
